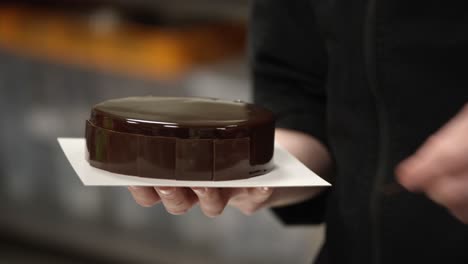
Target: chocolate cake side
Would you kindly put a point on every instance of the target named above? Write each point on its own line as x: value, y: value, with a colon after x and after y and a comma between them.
x: 201, y: 139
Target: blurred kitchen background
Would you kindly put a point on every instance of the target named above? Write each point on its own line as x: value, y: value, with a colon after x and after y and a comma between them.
x: 57, y: 59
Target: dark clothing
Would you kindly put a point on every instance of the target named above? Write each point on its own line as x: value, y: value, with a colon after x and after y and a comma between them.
x: 371, y: 80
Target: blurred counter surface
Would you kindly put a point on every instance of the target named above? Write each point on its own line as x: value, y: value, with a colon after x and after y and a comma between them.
x: 55, y: 63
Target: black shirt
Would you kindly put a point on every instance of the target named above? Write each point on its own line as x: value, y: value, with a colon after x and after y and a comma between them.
x: 371, y: 80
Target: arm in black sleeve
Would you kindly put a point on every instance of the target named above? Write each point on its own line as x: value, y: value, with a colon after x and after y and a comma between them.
x: 289, y: 67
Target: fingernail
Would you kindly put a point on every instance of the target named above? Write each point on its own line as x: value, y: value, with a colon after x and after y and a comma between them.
x: 264, y: 189
x: 199, y: 190
x: 166, y: 190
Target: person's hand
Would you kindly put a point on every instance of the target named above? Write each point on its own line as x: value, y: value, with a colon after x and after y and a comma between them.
x: 212, y: 201
x: 440, y: 167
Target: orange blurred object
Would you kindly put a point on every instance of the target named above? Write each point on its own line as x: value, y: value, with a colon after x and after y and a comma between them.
x: 154, y: 52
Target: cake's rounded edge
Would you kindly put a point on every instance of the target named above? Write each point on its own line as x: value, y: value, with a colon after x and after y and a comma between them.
x: 258, y: 116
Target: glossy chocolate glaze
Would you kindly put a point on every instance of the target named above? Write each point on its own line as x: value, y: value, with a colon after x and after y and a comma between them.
x: 180, y: 138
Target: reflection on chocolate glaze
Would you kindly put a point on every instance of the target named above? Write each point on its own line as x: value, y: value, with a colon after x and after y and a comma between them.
x: 180, y: 138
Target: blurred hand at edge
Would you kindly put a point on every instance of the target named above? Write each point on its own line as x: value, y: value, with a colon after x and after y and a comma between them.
x: 439, y: 168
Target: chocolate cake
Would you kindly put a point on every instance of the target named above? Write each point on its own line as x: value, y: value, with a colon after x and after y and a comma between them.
x: 179, y: 138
